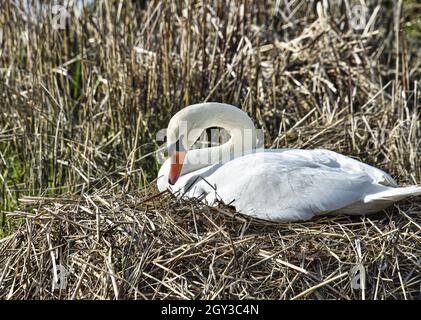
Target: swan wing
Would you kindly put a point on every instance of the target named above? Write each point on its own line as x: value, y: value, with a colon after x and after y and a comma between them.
x: 274, y: 187
x: 333, y: 159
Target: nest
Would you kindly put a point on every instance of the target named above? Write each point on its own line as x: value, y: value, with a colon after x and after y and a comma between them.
x: 152, y: 246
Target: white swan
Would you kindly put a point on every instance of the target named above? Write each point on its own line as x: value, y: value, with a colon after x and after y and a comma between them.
x: 277, y: 185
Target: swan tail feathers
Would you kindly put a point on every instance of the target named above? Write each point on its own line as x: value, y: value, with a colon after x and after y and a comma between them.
x: 393, y: 194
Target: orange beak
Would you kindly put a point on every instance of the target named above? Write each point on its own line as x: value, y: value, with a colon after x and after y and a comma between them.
x: 176, y: 165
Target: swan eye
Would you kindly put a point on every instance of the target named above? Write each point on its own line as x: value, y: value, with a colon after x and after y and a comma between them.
x: 179, y: 145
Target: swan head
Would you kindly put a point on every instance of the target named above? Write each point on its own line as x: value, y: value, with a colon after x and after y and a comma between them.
x: 187, y: 125
x: 177, y: 151
x: 184, y: 129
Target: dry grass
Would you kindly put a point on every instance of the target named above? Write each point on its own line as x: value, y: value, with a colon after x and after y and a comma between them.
x: 81, y: 107
x: 145, y: 246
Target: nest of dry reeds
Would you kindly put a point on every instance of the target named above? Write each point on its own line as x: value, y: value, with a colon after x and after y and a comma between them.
x: 152, y: 246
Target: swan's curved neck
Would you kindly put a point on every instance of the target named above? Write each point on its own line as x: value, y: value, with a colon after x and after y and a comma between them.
x: 235, y: 121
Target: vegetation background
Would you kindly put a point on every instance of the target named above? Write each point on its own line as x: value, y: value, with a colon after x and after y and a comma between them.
x: 81, y: 105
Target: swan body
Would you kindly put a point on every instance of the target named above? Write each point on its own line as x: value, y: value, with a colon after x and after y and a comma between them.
x: 272, y: 184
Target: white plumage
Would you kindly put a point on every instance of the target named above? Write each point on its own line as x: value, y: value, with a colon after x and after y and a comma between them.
x: 278, y: 185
